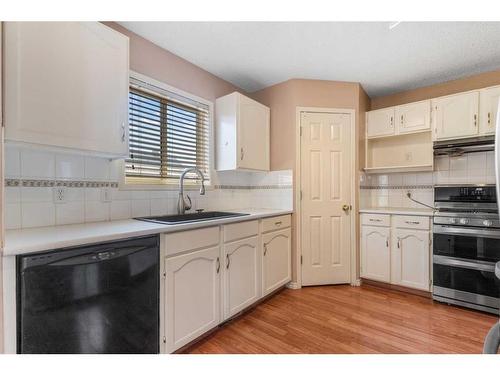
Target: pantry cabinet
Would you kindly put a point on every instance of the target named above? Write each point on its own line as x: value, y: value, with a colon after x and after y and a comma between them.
x: 380, y: 122
x: 456, y: 116
x: 66, y: 85
x: 192, y: 304
x: 242, y: 133
x: 241, y: 275
x: 410, y: 258
x: 375, y: 253
x: 396, y: 249
x: 276, y: 260
x: 488, y: 110
x: 413, y: 117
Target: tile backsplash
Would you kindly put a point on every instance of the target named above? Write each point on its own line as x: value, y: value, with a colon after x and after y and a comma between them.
x: 45, y: 188
x: 389, y: 190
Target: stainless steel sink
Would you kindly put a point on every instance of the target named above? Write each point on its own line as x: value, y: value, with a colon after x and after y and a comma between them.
x: 190, y: 218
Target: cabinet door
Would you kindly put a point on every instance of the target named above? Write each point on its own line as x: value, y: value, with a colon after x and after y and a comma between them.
x: 253, y: 135
x: 456, y: 116
x: 414, y: 117
x: 375, y: 253
x: 276, y: 260
x: 193, y: 296
x: 410, y: 258
x: 488, y: 102
x: 67, y: 85
x: 380, y: 122
x: 242, y: 273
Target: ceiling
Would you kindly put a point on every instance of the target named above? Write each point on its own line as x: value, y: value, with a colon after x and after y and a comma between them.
x: 254, y: 55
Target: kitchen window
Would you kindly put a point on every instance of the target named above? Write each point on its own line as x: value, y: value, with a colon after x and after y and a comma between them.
x: 168, y: 132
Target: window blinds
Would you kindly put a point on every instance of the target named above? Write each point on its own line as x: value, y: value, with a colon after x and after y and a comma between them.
x: 166, y: 135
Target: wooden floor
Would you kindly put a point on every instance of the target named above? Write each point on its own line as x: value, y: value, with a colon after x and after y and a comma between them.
x: 345, y: 319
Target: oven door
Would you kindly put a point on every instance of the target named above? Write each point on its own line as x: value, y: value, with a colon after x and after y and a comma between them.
x: 473, y: 282
x: 467, y: 243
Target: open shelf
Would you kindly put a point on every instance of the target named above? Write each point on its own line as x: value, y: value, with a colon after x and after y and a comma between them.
x: 403, y: 153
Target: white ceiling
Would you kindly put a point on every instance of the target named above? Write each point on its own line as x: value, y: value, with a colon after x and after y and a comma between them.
x: 254, y: 55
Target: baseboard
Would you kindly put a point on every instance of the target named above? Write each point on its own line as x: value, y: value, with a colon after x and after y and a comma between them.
x: 398, y: 288
x: 293, y: 285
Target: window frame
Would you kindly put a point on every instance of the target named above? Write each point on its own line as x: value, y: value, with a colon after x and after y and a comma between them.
x: 144, y: 183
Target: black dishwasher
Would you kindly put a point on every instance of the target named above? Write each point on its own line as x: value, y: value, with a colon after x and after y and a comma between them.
x: 101, y: 298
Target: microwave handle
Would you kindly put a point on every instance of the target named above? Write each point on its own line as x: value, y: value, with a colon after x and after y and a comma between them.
x: 492, y: 340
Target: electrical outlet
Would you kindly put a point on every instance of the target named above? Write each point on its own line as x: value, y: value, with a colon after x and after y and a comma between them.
x: 105, y: 195
x: 59, y: 194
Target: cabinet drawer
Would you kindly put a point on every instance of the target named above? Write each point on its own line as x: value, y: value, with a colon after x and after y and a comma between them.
x: 237, y: 231
x: 277, y: 222
x: 411, y: 222
x: 179, y: 242
x: 376, y: 220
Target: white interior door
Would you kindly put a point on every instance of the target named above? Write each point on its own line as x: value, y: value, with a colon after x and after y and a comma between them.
x: 326, y: 198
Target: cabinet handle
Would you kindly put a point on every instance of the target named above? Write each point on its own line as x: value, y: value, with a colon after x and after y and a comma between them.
x: 392, y: 122
x: 475, y: 120
x: 228, y: 262
x: 278, y: 223
x: 123, y: 132
x: 386, y: 242
x: 399, y: 243
x: 242, y: 154
x: 265, y: 249
x: 401, y: 119
x: 489, y: 118
x: 375, y: 220
x: 412, y: 222
x: 218, y: 265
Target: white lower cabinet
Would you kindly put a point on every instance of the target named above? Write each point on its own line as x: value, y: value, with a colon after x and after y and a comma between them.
x: 241, y: 275
x: 213, y: 273
x: 276, y: 260
x: 397, y: 251
x: 410, y: 258
x: 375, y: 253
x: 192, y: 304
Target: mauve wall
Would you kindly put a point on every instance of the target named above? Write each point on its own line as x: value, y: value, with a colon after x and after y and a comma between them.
x: 474, y: 82
x: 153, y: 61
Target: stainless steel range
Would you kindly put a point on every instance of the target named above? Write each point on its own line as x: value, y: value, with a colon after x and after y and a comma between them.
x: 466, y: 246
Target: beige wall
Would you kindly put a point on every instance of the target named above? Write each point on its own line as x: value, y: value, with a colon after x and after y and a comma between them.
x: 451, y: 87
x: 284, y: 98
x: 155, y: 62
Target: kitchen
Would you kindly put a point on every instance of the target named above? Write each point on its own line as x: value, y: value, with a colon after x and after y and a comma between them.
x: 151, y: 205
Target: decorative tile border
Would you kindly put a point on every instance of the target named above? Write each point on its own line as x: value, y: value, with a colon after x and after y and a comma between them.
x: 252, y: 187
x: 13, y: 182
x: 397, y: 187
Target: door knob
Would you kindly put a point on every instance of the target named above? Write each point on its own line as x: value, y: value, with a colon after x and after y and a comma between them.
x: 346, y: 207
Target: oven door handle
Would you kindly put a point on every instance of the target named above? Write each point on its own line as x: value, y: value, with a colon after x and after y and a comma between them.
x: 461, y: 231
x: 461, y: 263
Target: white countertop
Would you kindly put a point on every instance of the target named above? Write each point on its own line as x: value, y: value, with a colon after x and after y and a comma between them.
x: 398, y: 211
x: 23, y: 241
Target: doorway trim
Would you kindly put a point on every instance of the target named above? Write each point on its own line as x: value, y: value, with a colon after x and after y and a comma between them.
x: 298, y: 221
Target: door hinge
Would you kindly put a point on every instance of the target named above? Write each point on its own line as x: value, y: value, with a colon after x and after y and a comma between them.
x: 301, y: 260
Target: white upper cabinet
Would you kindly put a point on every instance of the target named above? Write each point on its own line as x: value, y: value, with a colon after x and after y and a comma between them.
x: 488, y: 106
x: 242, y: 133
x: 413, y: 117
x: 456, y: 116
x: 380, y: 122
x: 66, y: 85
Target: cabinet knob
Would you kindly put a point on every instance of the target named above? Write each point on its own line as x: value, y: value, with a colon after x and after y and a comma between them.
x: 123, y: 132
x: 218, y: 265
x: 242, y: 154
x: 265, y: 249
x: 489, y: 118
x: 228, y: 261
x: 475, y: 120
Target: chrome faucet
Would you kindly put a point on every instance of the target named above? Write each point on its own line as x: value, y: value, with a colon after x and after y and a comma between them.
x: 182, y: 205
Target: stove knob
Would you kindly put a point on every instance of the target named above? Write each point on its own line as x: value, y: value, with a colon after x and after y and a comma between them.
x: 464, y: 221
x: 453, y: 220
x: 487, y: 223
